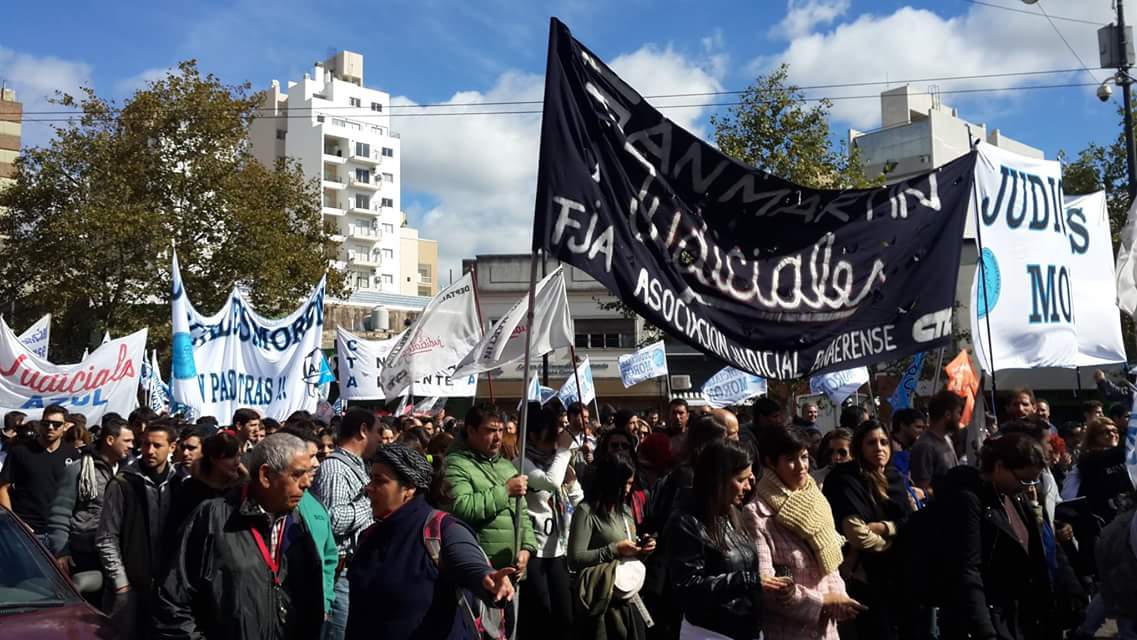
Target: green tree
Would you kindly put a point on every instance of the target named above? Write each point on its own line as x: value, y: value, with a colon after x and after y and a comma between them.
x: 773, y: 128
x: 92, y: 216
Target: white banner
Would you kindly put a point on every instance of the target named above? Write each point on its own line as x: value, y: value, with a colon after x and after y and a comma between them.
x: 441, y: 337
x: 360, y: 361
x: 239, y: 358
x: 1126, y: 268
x: 732, y: 386
x: 107, y: 380
x: 37, y: 337
x: 1094, y: 284
x: 505, y: 341
x: 568, y: 393
x: 1023, y: 287
x: 839, y: 385
x: 645, y: 364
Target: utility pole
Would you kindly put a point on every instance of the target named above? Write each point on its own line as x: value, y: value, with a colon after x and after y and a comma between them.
x: 1124, y: 79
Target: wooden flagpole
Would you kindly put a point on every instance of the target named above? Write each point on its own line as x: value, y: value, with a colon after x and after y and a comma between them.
x: 519, y: 506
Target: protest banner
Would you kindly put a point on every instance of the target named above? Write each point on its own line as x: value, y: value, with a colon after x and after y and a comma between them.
x: 237, y: 358
x: 361, y: 361
x: 731, y: 386
x: 771, y: 277
x: 37, y: 337
x: 105, y: 381
x: 645, y: 364
x: 569, y: 393
x: 839, y: 385
x: 1094, y: 289
x: 902, y: 397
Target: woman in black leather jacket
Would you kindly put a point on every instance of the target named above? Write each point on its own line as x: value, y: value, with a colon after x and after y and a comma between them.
x: 714, y: 564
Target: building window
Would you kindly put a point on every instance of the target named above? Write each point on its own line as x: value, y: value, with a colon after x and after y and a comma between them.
x: 388, y: 228
x: 362, y: 202
x: 387, y: 202
x: 424, y: 274
x: 319, y: 118
x: 388, y: 152
x: 388, y: 254
x: 375, y: 106
x: 379, y: 131
x: 388, y: 177
x: 280, y: 134
x: 388, y: 278
x: 362, y: 149
x: 354, y: 102
x: 363, y: 175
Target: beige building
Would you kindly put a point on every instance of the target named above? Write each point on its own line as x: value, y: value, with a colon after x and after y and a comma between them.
x: 918, y: 133
x: 418, y: 263
x: 11, y: 113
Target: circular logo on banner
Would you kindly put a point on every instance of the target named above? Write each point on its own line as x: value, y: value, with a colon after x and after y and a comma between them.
x: 987, y: 292
x: 182, y: 364
x: 657, y: 358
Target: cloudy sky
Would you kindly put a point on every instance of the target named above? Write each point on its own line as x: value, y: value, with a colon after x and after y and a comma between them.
x: 469, y: 180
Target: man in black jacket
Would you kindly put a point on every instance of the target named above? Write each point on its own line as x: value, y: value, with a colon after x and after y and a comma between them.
x: 129, y: 537
x: 997, y: 586
x: 245, y: 565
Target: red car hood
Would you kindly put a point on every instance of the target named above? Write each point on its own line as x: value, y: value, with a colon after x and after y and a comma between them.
x: 72, y: 622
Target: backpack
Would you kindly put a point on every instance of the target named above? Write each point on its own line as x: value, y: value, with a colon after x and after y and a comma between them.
x: 490, y: 622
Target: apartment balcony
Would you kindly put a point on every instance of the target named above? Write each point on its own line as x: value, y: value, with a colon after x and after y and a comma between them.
x: 366, y: 185
x: 364, y: 260
x: 357, y: 232
x: 335, y: 156
x: 337, y: 237
x: 374, y: 158
x: 333, y: 182
x: 362, y: 211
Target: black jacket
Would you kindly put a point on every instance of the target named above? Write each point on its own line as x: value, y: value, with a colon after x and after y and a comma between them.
x: 219, y: 587
x: 718, y: 587
x: 997, y: 589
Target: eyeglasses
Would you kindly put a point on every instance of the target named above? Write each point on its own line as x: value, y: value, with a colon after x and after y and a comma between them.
x: 54, y: 424
x: 1027, y: 483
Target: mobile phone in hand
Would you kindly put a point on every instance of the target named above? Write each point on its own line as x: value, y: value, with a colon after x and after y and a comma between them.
x: 783, y: 571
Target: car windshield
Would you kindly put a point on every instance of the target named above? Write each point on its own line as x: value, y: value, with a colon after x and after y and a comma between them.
x: 28, y: 579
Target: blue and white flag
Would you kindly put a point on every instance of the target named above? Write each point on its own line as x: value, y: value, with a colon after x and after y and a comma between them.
x: 569, y: 394
x: 539, y: 392
x: 645, y: 364
x: 902, y: 397
x: 37, y: 337
x: 158, y: 393
x: 1131, y: 442
x: 339, y: 406
x: 839, y: 385
x: 732, y: 386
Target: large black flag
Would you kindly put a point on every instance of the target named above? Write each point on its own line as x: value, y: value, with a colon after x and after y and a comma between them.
x: 774, y: 278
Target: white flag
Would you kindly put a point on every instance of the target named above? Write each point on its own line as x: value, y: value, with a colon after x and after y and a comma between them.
x: 731, y: 386
x: 839, y: 385
x: 645, y: 364
x: 444, y: 334
x: 569, y: 394
x: 505, y: 341
x: 1127, y: 264
x: 37, y: 337
x: 184, y: 389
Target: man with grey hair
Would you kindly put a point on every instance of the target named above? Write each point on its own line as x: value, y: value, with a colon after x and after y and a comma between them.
x: 246, y: 565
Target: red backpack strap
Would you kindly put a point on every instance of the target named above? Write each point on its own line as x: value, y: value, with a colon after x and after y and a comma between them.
x: 432, y: 535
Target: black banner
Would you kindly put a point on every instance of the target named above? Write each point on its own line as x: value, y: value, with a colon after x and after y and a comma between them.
x: 774, y: 278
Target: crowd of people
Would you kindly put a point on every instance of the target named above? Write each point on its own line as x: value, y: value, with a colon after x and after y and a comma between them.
x: 698, y: 524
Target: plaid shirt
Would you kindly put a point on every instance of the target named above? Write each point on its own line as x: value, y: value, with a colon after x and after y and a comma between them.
x: 800, y: 618
x: 339, y: 487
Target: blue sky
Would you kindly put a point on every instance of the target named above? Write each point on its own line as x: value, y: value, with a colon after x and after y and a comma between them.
x: 468, y: 181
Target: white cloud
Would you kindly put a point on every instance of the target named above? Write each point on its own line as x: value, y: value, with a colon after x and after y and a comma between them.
x: 36, y: 79
x: 803, y: 15
x: 128, y: 86
x: 480, y: 171
x: 913, y: 44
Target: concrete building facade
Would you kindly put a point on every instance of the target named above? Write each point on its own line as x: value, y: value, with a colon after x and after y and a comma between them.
x: 340, y: 133
x: 418, y: 264
x: 11, y: 115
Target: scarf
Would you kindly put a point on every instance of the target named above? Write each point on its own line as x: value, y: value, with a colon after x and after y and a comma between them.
x: 806, y: 513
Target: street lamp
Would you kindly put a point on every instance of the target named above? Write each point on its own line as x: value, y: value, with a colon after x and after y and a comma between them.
x: 1115, y: 50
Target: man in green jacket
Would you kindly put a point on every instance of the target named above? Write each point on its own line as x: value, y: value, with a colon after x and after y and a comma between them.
x: 317, y: 519
x: 485, y: 488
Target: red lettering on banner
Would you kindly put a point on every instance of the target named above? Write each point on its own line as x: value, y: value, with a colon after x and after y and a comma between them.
x: 80, y: 380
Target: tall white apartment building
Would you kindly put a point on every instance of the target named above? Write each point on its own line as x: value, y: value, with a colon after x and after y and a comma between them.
x: 340, y: 132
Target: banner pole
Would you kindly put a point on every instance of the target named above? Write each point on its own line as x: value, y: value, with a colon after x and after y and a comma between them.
x: 939, y: 368
x: 872, y: 398
x: 524, y: 429
x: 576, y: 376
x: 989, y: 348
x: 482, y: 324
x: 1078, y: 381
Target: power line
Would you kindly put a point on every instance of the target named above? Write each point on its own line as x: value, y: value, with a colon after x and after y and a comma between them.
x: 660, y: 107
x: 840, y: 85
x: 1065, y: 41
x: 1030, y: 13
